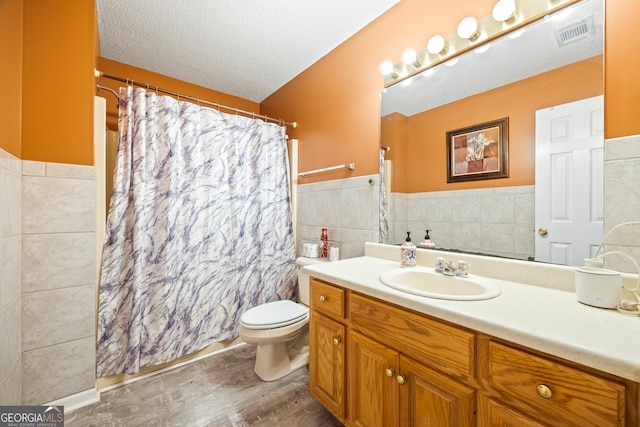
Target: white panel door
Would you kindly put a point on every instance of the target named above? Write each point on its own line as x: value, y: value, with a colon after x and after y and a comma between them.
x: 569, y: 201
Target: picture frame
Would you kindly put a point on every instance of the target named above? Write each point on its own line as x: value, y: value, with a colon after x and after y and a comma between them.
x: 478, y: 152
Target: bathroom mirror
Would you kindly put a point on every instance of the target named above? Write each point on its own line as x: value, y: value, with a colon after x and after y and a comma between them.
x: 573, y: 35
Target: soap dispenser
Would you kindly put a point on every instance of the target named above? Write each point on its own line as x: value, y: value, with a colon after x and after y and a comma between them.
x: 427, y: 242
x: 408, y: 253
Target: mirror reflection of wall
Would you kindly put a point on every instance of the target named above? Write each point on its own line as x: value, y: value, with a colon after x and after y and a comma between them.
x: 535, y: 71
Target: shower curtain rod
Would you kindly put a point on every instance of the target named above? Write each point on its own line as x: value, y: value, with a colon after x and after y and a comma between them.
x: 190, y: 98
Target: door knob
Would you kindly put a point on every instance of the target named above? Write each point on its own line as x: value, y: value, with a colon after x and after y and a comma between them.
x: 543, y: 231
x: 401, y: 379
x: 336, y: 341
x: 389, y: 372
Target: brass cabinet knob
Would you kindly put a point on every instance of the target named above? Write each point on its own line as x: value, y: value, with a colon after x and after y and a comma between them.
x: 323, y: 298
x: 544, y: 391
x: 336, y: 341
x: 389, y: 372
x: 401, y: 379
x: 543, y: 231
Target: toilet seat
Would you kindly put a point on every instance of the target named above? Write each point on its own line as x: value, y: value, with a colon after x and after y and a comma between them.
x: 274, y: 314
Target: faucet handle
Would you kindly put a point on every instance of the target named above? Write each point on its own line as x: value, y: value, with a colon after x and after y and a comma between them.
x: 440, y: 264
x: 461, y: 268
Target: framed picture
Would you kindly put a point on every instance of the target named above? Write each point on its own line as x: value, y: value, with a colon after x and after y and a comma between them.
x: 478, y: 152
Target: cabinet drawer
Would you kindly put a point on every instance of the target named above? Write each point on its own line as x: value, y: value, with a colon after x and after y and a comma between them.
x: 492, y: 413
x: 563, y: 393
x: 430, y: 341
x: 327, y: 298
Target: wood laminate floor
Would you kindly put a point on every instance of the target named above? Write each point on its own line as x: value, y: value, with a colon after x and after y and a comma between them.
x: 221, y: 390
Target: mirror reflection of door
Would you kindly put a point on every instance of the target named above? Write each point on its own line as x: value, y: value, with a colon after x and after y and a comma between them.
x: 569, y: 200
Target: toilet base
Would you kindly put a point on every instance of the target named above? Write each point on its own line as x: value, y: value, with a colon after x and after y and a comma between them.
x: 274, y: 361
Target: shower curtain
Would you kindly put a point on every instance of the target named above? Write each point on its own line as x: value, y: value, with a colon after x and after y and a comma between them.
x: 199, y: 230
x: 382, y: 215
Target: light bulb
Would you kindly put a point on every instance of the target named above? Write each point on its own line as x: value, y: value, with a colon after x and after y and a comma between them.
x: 387, y: 68
x: 504, y: 10
x: 483, y: 48
x: 437, y: 45
x: 452, y: 61
x: 468, y: 29
x: 410, y: 57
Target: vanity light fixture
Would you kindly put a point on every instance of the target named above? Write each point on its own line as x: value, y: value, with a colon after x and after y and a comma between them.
x: 508, y: 17
x: 437, y: 45
x: 410, y: 57
x: 468, y: 29
x: 388, y: 69
x: 505, y: 11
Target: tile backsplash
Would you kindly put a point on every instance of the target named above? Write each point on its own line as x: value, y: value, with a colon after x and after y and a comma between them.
x: 348, y: 208
x: 58, y: 280
x: 622, y: 200
x: 494, y: 221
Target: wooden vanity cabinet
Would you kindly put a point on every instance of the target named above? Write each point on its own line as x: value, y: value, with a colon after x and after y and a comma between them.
x: 429, y: 398
x: 386, y: 388
x: 327, y: 347
x: 550, y: 390
x: 373, y: 387
x: 373, y: 363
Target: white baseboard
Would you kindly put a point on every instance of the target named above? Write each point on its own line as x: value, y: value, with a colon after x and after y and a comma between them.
x: 78, y: 400
x: 87, y: 397
x: 171, y: 367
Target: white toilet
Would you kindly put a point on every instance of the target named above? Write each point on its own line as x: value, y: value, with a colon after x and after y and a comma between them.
x: 280, y: 329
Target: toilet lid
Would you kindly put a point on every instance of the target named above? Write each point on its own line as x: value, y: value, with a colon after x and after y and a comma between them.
x: 274, y: 315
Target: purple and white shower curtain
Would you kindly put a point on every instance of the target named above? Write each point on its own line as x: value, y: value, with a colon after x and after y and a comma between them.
x: 199, y: 230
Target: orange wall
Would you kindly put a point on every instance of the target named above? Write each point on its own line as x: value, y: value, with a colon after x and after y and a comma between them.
x: 425, y: 168
x: 622, y: 68
x: 57, y: 90
x: 119, y: 69
x: 10, y: 75
x: 336, y: 102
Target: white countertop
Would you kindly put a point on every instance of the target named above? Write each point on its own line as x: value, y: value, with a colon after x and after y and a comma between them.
x: 544, y: 319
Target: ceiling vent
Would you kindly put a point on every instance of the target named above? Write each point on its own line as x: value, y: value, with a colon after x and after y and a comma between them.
x: 575, y: 31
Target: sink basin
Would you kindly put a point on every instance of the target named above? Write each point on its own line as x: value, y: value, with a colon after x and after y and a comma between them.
x: 427, y: 282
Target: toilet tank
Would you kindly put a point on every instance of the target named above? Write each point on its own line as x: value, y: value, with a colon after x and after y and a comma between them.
x: 303, y: 279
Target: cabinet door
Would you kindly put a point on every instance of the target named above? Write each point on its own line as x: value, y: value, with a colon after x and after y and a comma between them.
x: 373, y: 387
x: 327, y: 363
x: 428, y: 398
x: 495, y: 414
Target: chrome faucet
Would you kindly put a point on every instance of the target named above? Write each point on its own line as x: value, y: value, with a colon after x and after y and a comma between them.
x: 449, y: 268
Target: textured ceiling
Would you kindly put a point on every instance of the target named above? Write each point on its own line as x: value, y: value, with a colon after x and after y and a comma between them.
x: 246, y: 48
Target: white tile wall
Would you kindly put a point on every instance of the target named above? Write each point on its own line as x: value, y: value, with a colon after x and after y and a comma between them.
x: 622, y: 200
x: 67, y: 261
x: 10, y: 279
x: 58, y: 370
x: 58, y: 280
x: 348, y: 208
x: 495, y: 221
